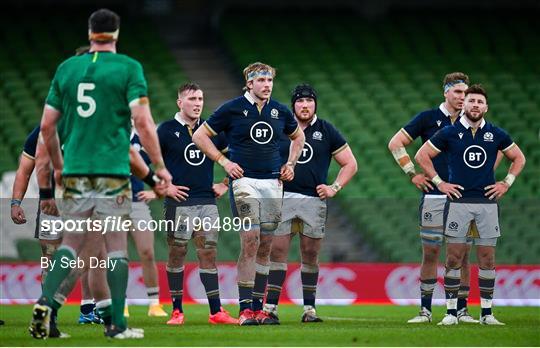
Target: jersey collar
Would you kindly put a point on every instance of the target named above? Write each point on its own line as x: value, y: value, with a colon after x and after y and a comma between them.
x: 251, y: 100
x: 314, y: 120
x: 181, y: 121
x: 444, y: 110
x: 466, y: 124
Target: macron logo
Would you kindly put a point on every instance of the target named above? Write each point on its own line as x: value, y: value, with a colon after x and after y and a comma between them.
x: 438, y: 123
x: 177, y: 134
x: 460, y: 135
x: 245, y: 112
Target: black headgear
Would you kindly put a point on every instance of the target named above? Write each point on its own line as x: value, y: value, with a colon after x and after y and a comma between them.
x: 303, y: 90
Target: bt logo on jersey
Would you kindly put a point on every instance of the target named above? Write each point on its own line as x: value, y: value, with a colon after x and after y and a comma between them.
x: 306, y: 155
x: 261, y: 132
x: 193, y: 155
x: 474, y: 156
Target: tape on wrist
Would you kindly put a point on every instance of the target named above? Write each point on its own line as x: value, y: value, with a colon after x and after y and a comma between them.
x: 402, y: 158
x: 509, y: 179
x: 159, y: 165
x: 16, y: 202
x: 437, y: 180
x: 336, y: 186
x: 150, y: 178
x: 222, y: 160
x: 46, y: 193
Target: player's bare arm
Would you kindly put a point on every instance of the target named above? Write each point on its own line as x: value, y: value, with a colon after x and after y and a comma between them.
x: 142, y: 119
x: 50, y: 138
x: 143, y: 172
x: 500, y: 156
x: 47, y: 203
x: 515, y: 155
x: 348, y: 168
x: 424, y: 159
x: 397, y: 147
x: 201, y: 138
x: 297, y: 144
x: 20, y: 185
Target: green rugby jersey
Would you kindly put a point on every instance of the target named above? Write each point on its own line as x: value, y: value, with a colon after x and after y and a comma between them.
x: 93, y: 93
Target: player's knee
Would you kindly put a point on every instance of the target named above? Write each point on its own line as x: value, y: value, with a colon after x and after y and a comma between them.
x: 486, y: 260
x: 147, y: 254
x: 250, y: 246
x: 310, y: 255
x: 453, y: 261
x: 206, y: 256
x: 177, y: 255
x: 175, y: 261
x: 430, y: 255
x: 278, y: 253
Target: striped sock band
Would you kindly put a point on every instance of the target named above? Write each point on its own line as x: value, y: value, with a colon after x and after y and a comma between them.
x: 452, y: 278
x: 486, y: 283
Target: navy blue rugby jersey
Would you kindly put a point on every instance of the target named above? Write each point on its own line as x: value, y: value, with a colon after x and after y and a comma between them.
x: 323, y: 141
x: 424, y: 125
x: 471, y: 158
x: 30, y: 144
x: 253, y: 137
x: 188, y: 165
x: 137, y: 185
x: 30, y: 148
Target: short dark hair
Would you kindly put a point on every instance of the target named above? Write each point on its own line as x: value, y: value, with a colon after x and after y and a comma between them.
x: 452, y: 78
x: 477, y: 89
x: 189, y: 86
x: 103, y: 21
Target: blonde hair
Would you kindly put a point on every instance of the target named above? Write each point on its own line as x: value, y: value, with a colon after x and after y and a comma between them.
x: 258, y: 67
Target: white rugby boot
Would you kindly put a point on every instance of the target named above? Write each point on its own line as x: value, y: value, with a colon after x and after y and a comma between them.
x: 464, y: 317
x: 490, y: 320
x: 423, y: 317
x: 448, y: 319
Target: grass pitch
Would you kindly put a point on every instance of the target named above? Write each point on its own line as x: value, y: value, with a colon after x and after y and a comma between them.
x: 342, y: 326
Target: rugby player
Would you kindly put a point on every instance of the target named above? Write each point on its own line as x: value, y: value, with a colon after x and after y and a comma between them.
x: 48, y: 241
x: 304, y: 201
x: 94, y: 171
x: 471, y: 146
x: 253, y: 124
x: 191, y: 204
x: 424, y: 125
x: 144, y: 238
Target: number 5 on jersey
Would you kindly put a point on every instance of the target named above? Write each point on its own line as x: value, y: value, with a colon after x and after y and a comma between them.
x: 85, y: 99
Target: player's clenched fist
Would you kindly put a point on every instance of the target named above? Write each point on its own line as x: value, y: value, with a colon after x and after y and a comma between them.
x: 17, y: 214
x: 287, y: 172
x: 48, y: 206
x: 325, y: 191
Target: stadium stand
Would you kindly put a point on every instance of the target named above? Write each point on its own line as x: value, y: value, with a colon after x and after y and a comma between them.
x: 369, y: 83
